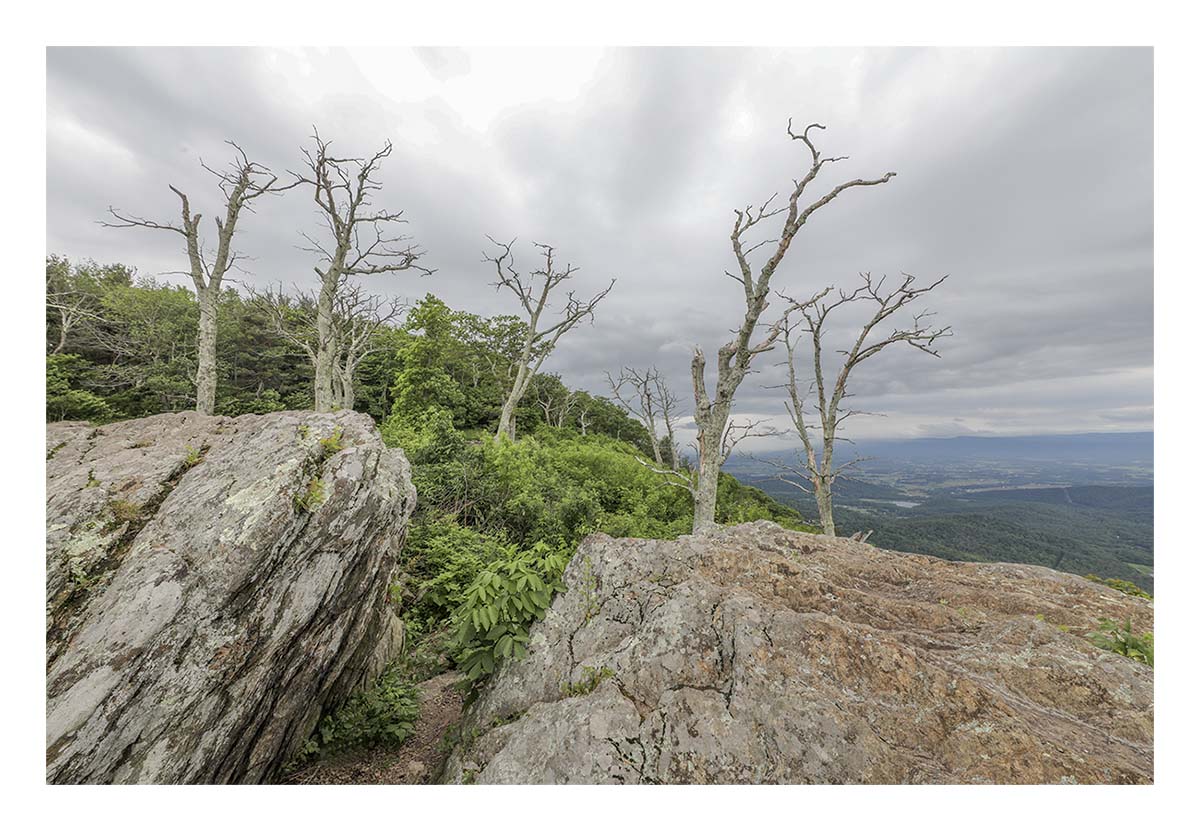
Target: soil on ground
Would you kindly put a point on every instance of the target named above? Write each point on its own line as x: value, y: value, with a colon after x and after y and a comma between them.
x: 417, y: 761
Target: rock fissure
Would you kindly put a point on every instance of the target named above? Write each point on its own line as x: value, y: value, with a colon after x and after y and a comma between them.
x: 842, y: 669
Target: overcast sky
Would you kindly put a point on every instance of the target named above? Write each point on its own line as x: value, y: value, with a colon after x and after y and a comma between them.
x: 1024, y: 174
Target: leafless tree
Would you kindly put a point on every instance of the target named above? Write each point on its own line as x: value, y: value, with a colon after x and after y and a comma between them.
x: 241, y: 183
x: 557, y: 408
x: 644, y: 394
x: 809, y: 318
x: 74, y: 308
x: 362, y: 240
x: 354, y: 326
x: 734, y: 357
x: 734, y: 434
x: 534, y: 291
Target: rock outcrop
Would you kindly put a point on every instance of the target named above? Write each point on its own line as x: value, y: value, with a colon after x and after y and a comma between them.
x: 212, y: 585
x: 757, y: 654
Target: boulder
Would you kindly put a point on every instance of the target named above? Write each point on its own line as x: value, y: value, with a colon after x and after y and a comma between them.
x: 212, y: 586
x: 760, y: 655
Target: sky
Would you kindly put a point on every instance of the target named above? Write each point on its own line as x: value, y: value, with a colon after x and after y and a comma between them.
x: 1025, y: 174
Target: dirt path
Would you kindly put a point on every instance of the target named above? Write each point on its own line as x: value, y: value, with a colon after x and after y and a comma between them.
x: 415, y: 762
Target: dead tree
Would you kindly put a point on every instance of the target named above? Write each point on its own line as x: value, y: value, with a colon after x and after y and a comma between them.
x: 734, y: 433
x: 818, y: 469
x: 74, y: 308
x: 734, y: 357
x: 362, y: 241
x: 356, y: 321
x: 558, y: 411
x: 534, y: 291
x: 645, y: 395
x: 241, y: 183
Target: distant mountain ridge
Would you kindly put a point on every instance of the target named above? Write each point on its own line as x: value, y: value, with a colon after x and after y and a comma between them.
x: 1068, y: 447
x: 1111, y: 448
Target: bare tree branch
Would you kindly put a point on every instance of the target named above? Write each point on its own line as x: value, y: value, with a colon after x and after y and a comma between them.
x: 734, y: 358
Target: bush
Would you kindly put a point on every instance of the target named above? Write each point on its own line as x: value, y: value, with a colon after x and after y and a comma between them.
x: 1120, y: 639
x: 493, y: 621
x: 1120, y: 585
x: 382, y: 714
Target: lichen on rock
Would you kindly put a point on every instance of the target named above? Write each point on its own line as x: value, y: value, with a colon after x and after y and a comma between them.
x: 759, y: 655
x: 200, y: 637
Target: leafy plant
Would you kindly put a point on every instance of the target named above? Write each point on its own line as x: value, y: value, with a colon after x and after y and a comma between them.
x: 192, y: 458
x: 332, y: 443
x: 1120, y: 585
x: 1120, y: 639
x: 381, y: 715
x: 493, y: 622
x: 312, y: 497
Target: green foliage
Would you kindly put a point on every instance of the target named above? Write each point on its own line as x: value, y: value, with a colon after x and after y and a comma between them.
x: 193, y: 457
x: 312, y: 497
x: 444, y: 560
x: 332, y: 443
x: 64, y: 402
x: 1120, y: 585
x: 492, y: 623
x: 592, y: 678
x: 124, y: 511
x: 381, y: 715
x: 1120, y: 639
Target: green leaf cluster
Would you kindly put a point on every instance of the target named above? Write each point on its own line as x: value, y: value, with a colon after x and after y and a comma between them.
x: 506, y: 597
x: 383, y: 714
x: 1121, y: 639
x: 1120, y: 585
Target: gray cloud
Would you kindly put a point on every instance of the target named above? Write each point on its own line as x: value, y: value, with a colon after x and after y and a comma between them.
x: 1025, y: 174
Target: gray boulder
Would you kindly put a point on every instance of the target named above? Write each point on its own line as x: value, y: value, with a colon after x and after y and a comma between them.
x: 759, y: 655
x: 212, y: 585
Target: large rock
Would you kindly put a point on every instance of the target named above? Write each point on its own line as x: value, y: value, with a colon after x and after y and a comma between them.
x: 757, y: 654
x: 212, y: 585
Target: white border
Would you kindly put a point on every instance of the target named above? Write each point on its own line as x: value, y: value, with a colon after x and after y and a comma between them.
x: 22, y: 216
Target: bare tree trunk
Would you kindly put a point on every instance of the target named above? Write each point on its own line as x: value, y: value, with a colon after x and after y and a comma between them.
x: 507, y: 427
x: 63, y: 329
x: 323, y: 393
x: 364, y: 242
x: 346, y: 382
x: 708, y: 473
x: 538, y: 343
x: 734, y: 357
x: 240, y: 184
x: 206, y: 354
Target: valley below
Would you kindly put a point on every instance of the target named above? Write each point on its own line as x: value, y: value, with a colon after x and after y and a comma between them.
x: 1082, y: 504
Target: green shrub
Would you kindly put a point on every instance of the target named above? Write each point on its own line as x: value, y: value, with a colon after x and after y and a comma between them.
x: 312, y: 497
x: 1120, y: 585
x: 332, y: 443
x: 1121, y: 639
x: 493, y: 622
x: 381, y: 715
x: 444, y: 559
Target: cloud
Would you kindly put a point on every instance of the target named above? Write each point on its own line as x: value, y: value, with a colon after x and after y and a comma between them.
x: 1025, y: 174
